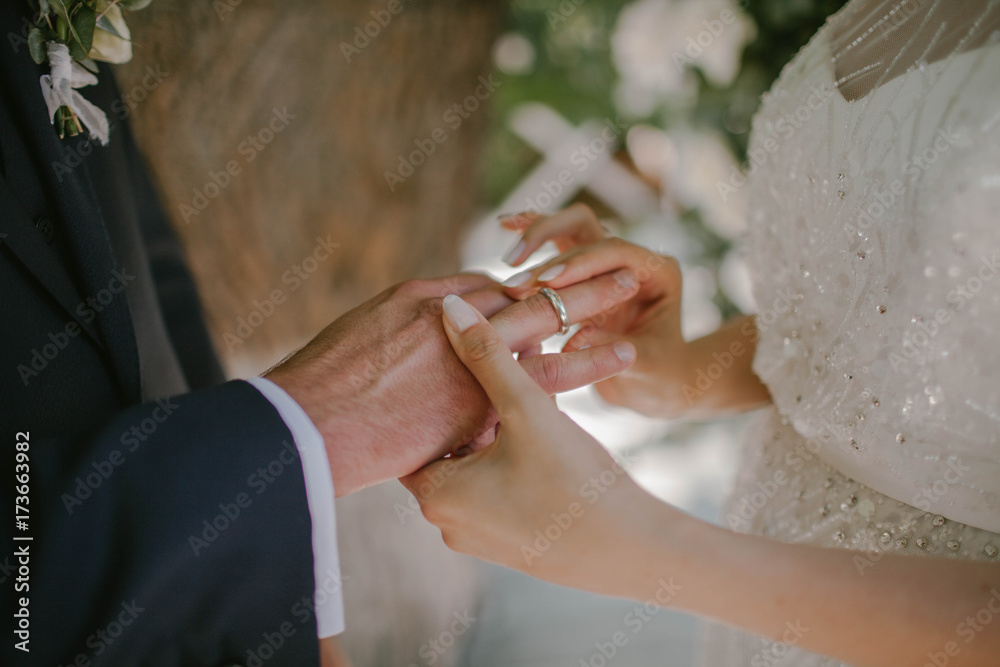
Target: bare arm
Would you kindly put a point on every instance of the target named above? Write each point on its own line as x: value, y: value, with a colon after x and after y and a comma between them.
x: 722, y: 380
x: 897, y: 611
x: 547, y: 500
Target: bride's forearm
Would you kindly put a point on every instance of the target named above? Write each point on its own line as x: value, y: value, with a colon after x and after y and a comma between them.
x: 897, y: 611
x: 722, y: 378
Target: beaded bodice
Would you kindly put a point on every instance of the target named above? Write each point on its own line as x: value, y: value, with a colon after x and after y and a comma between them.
x: 874, y: 245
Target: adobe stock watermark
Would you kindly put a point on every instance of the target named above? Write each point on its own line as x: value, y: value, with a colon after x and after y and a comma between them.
x: 561, y: 14
x: 103, y: 638
x: 225, y: 8
x: 247, y: 151
x: 696, y: 45
x: 885, y: 197
x: 390, y: 353
x: 635, y: 620
x: 363, y: 36
x: 722, y: 361
x: 590, y: 492
x: 597, y: 319
x: 303, y: 611
x: 967, y: 631
x: 122, y: 107
x: 87, y: 310
x: 775, y: 651
x: 230, y: 511
x: 291, y: 280
x: 926, y: 499
x: 434, y: 649
x: 785, y: 127
x: 425, y: 491
x: 453, y: 117
x: 746, y: 508
x: 913, y: 347
x: 580, y: 159
x: 137, y: 434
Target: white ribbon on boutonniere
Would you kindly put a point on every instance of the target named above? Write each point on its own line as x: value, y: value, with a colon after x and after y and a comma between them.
x: 71, y: 35
x: 59, y: 90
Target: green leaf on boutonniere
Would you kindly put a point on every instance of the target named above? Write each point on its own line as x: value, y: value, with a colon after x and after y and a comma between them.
x: 82, y: 27
x: 105, y: 24
x: 59, y: 7
x: 90, y: 65
x: 134, y: 5
x: 36, y: 46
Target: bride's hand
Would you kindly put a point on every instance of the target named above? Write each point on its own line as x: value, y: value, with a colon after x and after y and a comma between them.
x: 651, y: 320
x: 545, y: 498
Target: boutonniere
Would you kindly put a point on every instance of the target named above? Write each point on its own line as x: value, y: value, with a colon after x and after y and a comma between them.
x: 71, y: 35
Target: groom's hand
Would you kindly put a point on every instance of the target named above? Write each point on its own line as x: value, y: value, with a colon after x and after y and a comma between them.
x: 387, y: 392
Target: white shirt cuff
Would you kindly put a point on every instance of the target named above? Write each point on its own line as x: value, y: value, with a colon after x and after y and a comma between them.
x: 329, y: 599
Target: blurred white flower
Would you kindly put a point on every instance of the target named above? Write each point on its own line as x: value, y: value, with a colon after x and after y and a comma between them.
x: 656, y: 41
x: 514, y: 54
x: 108, y: 46
x: 702, y: 160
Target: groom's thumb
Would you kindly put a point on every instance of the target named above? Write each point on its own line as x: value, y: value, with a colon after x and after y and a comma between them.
x: 488, y: 358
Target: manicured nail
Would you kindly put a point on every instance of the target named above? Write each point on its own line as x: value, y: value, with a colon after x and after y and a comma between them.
x: 517, y: 279
x: 549, y: 274
x: 625, y: 351
x: 625, y: 279
x: 514, y: 252
x: 460, y: 315
x: 505, y: 216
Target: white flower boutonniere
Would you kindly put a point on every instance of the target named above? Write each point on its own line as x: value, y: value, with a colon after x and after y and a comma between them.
x: 71, y: 35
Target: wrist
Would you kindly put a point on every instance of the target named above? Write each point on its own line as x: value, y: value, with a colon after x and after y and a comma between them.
x: 339, y: 435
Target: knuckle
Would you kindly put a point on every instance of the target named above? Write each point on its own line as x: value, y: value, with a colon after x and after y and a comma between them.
x: 482, y: 345
x: 430, y: 309
x: 540, y: 308
x: 413, y: 288
x: 618, y: 244
x: 451, y: 540
x: 549, y: 371
x: 584, y: 211
x: 431, y: 511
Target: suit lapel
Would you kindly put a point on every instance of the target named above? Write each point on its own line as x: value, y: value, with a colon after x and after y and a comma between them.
x: 76, y: 204
x: 19, y: 236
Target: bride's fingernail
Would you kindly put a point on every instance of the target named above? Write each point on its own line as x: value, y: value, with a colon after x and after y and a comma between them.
x: 514, y: 252
x: 460, y: 315
x: 625, y: 351
x: 505, y: 216
x: 554, y: 272
x: 517, y: 279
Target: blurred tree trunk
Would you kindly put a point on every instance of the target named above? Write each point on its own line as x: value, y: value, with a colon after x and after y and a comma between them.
x: 225, y: 67
x: 228, y: 66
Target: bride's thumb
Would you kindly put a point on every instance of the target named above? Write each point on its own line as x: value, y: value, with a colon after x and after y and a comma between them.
x: 489, y: 359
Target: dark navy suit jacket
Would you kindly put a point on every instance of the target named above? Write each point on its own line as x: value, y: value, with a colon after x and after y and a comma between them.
x: 155, y: 538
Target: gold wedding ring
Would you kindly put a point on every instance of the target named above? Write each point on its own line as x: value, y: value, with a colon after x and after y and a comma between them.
x: 560, y: 307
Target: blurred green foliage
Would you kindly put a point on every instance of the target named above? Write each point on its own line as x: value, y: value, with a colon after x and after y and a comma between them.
x: 574, y: 73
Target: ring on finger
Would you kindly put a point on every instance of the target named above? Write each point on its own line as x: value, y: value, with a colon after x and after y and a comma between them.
x: 560, y: 308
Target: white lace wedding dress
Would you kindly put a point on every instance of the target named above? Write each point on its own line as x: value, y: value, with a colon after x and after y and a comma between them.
x: 874, y: 246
